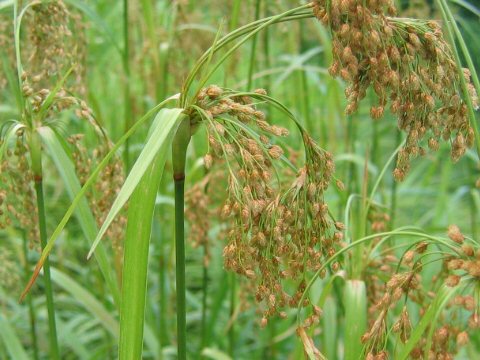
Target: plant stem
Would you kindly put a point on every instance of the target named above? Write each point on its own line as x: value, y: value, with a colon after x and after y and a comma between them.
x: 180, y: 268
x: 204, y: 302
x: 31, y: 309
x: 52, y: 334
x: 126, y: 68
x: 253, y: 49
x: 179, y: 152
x: 231, y: 331
x: 163, y: 338
x: 251, y: 29
x: 463, y: 46
x: 393, y: 188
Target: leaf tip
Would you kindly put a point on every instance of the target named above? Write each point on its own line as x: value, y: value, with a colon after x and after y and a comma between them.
x: 32, y: 280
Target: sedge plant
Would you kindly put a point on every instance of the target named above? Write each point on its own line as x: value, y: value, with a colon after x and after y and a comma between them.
x: 279, y: 226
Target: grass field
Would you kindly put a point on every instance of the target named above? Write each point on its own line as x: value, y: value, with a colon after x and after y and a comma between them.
x: 239, y: 179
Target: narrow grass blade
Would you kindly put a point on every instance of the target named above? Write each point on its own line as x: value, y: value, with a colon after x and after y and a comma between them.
x: 83, y: 213
x: 215, y: 354
x: 96, y: 308
x: 70, y: 339
x: 162, y: 129
x: 468, y: 6
x: 139, y: 226
x: 11, y: 340
x: 9, y: 134
x: 56, y: 233
x: 134, y: 286
x: 86, y: 299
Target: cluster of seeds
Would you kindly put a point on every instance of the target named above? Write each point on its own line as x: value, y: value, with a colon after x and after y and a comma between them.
x: 378, y: 219
x: 8, y: 51
x: 467, y: 264
x: 197, y: 213
x: 9, y: 271
x: 17, y: 195
x: 411, y: 69
x: 200, y: 202
x: 56, y: 45
x: 279, y: 227
x: 396, y: 288
x: 452, y: 332
x: 51, y: 104
x: 446, y: 341
x: 106, y: 187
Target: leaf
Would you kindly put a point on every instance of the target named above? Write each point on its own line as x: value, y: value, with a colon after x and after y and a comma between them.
x: 86, y: 300
x: 47, y: 103
x: 137, y: 241
x: 215, y: 354
x: 95, y: 307
x: 11, y: 340
x: 165, y: 124
x: 56, y: 233
x: 329, y: 321
x: 12, y: 130
x: 468, y: 6
x: 70, y: 338
x: 83, y: 213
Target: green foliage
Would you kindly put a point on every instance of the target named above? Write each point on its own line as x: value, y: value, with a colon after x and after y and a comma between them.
x: 158, y: 288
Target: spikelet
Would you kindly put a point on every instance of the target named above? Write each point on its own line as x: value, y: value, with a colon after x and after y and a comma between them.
x: 411, y: 69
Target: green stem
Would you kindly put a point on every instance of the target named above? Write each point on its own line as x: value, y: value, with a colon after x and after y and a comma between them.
x: 180, y: 268
x: 464, y: 47
x: 393, y: 188
x: 126, y: 68
x: 449, y: 24
x: 52, y: 334
x: 253, y: 49
x: 235, y: 14
x: 204, y: 302
x: 251, y: 30
x: 31, y: 309
x: 179, y: 152
x: 36, y: 166
x: 231, y: 331
x: 163, y: 338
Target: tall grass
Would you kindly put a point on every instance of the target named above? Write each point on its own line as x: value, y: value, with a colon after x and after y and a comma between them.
x: 320, y: 219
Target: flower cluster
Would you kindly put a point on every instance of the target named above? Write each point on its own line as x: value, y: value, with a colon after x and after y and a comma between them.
x: 279, y: 227
x: 467, y: 264
x: 17, y: 196
x: 451, y: 332
x: 411, y: 69
x: 106, y: 187
x: 8, y: 50
x: 9, y: 271
x: 56, y: 45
